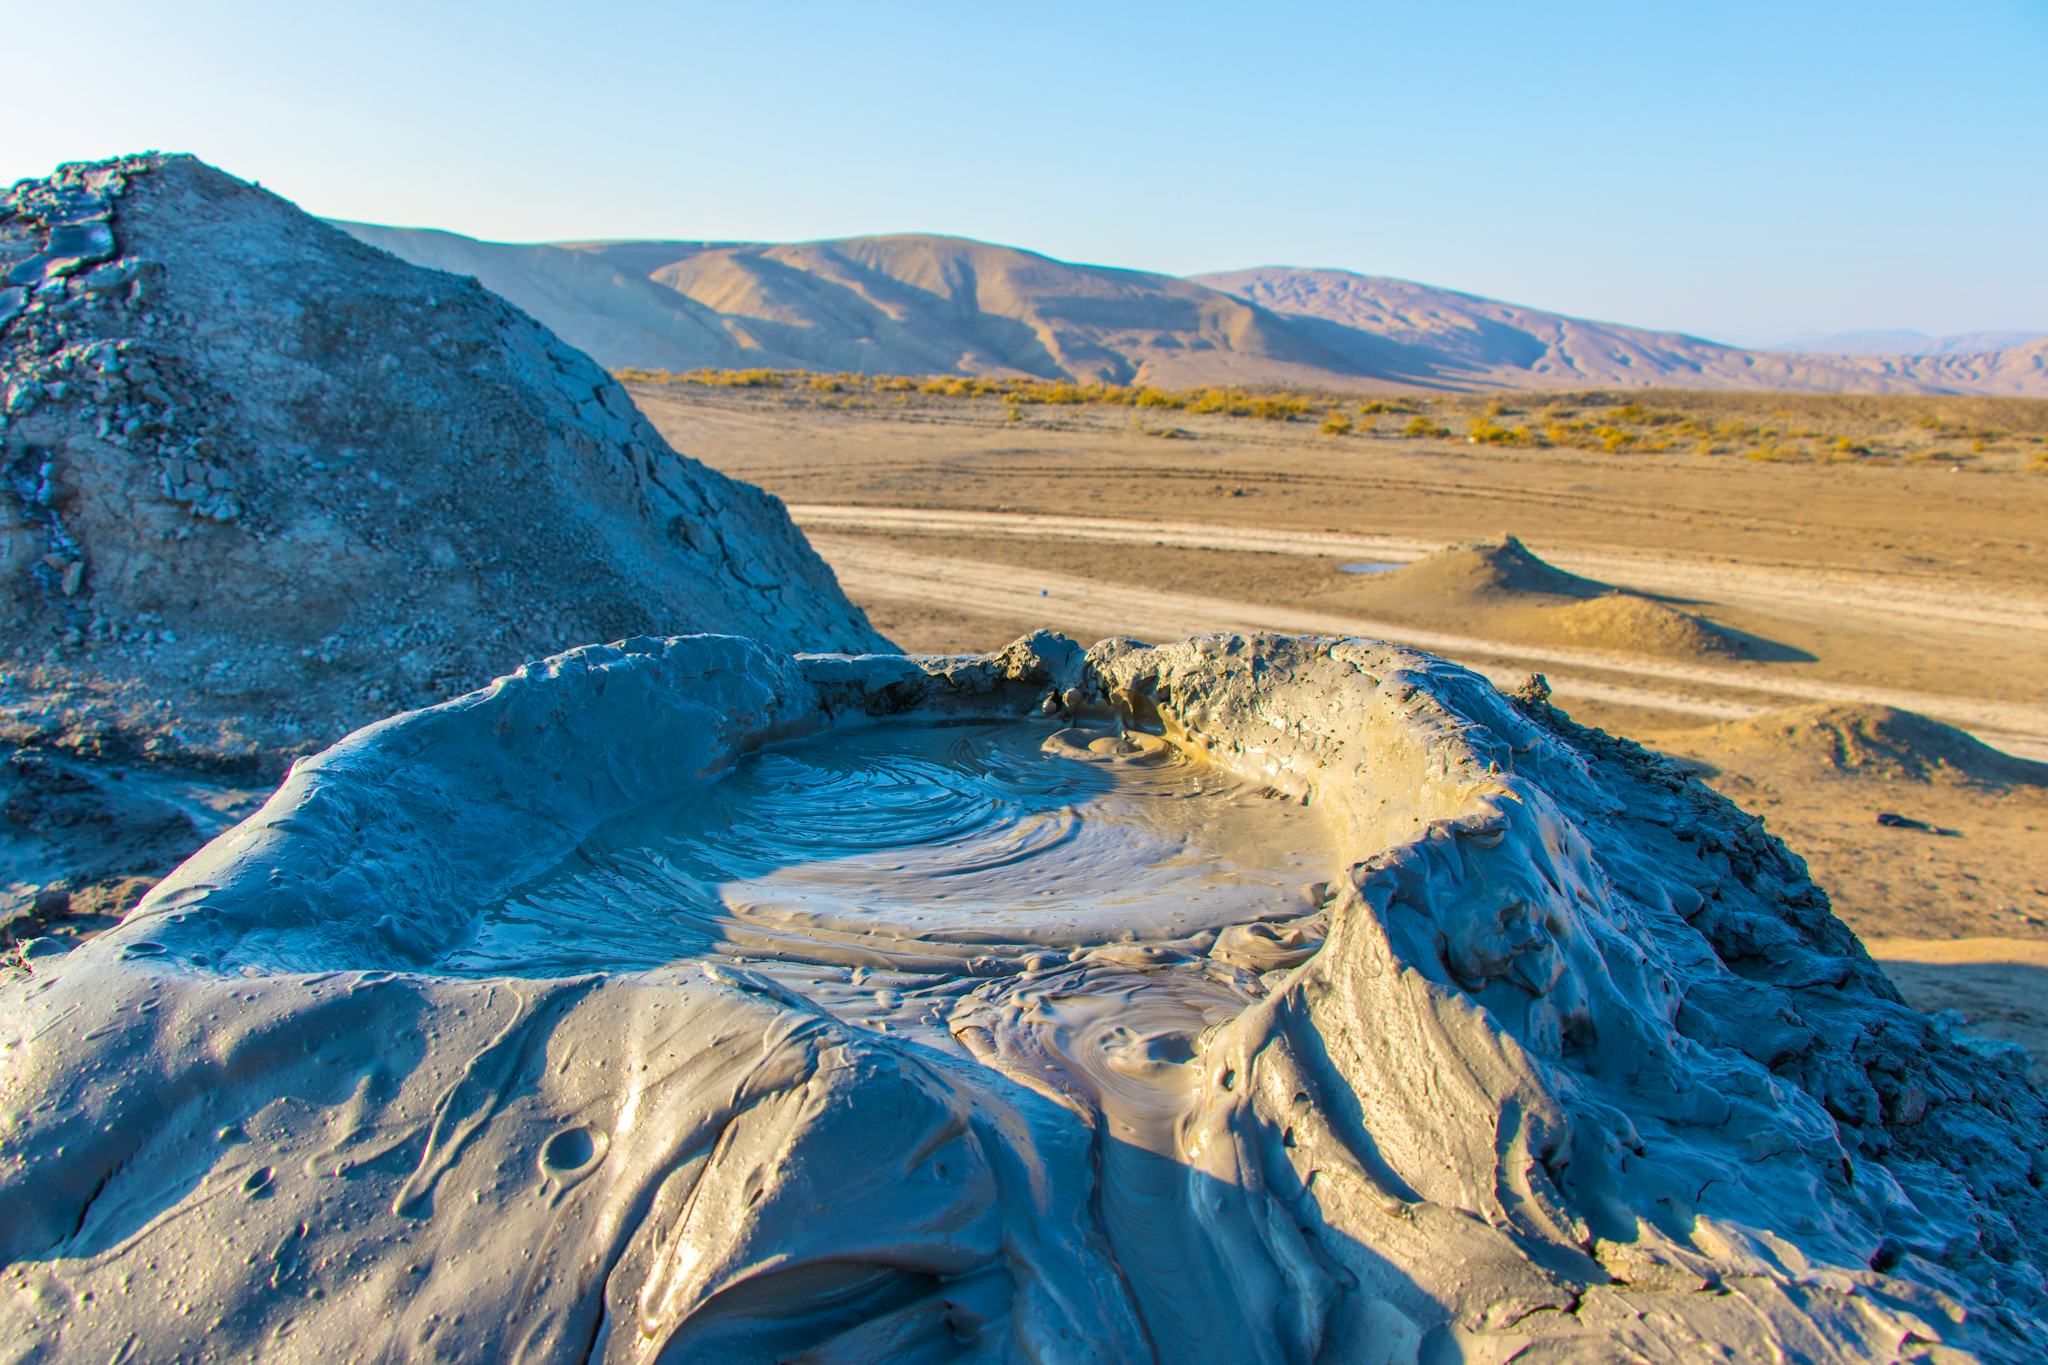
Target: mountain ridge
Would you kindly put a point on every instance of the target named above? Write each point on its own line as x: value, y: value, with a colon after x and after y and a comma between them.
x: 1906, y: 341
x: 920, y: 303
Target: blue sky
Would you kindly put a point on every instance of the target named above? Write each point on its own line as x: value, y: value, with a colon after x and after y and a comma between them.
x: 1745, y: 171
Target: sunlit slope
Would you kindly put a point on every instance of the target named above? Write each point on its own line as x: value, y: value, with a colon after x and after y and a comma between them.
x: 1440, y: 337
x: 916, y: 304
x: 925, y: 304
x: 614, y: 314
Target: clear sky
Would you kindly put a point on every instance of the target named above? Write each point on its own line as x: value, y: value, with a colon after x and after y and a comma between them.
x: 1742, y: 170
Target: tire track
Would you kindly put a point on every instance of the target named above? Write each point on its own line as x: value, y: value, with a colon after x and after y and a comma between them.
x: 1884, y: 598
x: 872, y: 570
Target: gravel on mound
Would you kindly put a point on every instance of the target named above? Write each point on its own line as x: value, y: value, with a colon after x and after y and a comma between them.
x: 290, y: 482
x: 261, y: 483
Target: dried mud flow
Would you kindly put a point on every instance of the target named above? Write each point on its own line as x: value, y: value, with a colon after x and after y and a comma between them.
x: 609, y: 1012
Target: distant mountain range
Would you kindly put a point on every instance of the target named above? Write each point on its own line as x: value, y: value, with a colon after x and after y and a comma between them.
x: 1905, y: 343
x: 918, y: 304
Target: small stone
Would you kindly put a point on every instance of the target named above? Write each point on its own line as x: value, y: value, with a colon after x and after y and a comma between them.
x: 106, y: 278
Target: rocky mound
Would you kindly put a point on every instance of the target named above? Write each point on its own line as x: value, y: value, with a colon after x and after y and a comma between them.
x: 1570, y: 1061
x: 286, y: 482
x: 1877, y: 741
x: 1487, y: 570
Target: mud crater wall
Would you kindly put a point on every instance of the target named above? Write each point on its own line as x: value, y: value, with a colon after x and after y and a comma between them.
x: 1584, y: 1064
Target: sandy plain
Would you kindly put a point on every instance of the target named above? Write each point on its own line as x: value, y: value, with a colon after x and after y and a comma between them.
x: 1919, y: 584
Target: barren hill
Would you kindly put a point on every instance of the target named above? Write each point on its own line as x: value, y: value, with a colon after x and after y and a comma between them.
x: 1443, y: 338
x: 2017, y: 371
x: 922, y: 304
x: 910, y: 304
x: 1905, y: 342
x: 595, y: 304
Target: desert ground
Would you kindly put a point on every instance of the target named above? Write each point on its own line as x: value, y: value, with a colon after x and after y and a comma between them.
x: 1774, y: 589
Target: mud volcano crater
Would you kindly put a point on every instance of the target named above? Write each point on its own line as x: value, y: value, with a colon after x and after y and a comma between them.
x: 1257, y: 998
x: 961, y: 847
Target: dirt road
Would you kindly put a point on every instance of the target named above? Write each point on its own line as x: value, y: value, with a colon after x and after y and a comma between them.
x: 1886, y: 597
x: 877, y: 569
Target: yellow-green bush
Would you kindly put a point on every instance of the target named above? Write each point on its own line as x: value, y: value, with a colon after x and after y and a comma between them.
x: 1216, y: 400
x: 1991, y: 432
x: 1483, y: 432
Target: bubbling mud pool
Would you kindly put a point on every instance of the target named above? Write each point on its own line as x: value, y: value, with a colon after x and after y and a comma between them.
x: 889, y: 872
